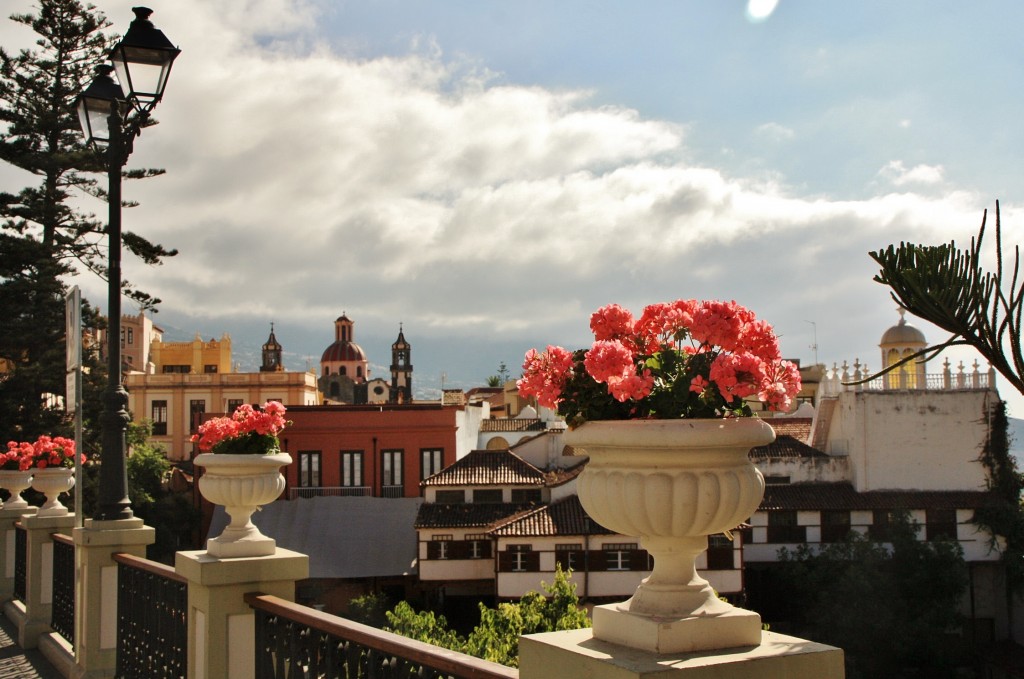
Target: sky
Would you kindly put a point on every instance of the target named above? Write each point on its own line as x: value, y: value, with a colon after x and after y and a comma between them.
x: 487, y: 174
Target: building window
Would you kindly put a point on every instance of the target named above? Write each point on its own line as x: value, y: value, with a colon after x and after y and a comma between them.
x: 343, y: 370
x: 450, y: 497
x: 391, y: 473
x: 940, y: 524
x: 439, y: 547
x: 520, y: 557
x: 880, y: 529
x: 176, y: 369
x: 233, y: 404
x: 158, y: 411
x: 209, y: 368
x: 776, y: 480
x: 351, y: 468
x: 196, y: 410
x: 617, y: 555
x: 309, y: 468
x: 835, y: 525
x: 783, y: 527
x: 487, y: 496
x: 525, y: 495
x: 720, y: 553
x: 479, y: 547
x: 431, y: 460
x: 570, y: 556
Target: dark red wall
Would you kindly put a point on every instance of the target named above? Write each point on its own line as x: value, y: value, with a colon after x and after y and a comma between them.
x: 372, y: 429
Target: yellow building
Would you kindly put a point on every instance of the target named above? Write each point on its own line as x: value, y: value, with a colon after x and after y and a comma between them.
x: 193, y: 378
x: 195, y: 357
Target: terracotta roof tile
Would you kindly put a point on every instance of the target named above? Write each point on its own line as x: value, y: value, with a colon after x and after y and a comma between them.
x: 565, y: 517
x: 785, y: 446
x: 797, y: 427
x: 488, y: 468
x: 560, y: 477
x: 469, y: 515
x: 842, y: 496
x: 511, y: 424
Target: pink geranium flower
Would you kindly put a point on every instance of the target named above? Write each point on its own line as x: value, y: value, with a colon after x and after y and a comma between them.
x: 46, y: 451
x: 247, y: 430
x: 718, y: 353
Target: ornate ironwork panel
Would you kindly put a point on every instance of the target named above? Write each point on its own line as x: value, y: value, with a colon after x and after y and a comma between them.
x: 20, y: 561
x: 295, y: 642
x: 62, y: 616
x: 152, y: 624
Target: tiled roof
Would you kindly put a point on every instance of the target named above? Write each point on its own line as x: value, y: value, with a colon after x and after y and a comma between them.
x: 565, y: 517
x: 842, y: 496
x: 785, y: 446
x: 488, y: 468
x: 469, y: 515
x: 511, y: 424
x: 797, y: 427
x: 559, y: 477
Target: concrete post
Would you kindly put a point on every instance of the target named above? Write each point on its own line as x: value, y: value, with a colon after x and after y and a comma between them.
x: 221, y: 626
x: 96, y: 590
x: 578, y: 655
x: 33, y: 615
x: 9, y: 517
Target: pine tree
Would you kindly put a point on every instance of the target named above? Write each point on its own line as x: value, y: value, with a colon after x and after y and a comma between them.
x: 42, y: 234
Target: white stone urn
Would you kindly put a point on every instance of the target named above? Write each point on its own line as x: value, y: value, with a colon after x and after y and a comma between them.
x: 672, y: 483
x: 51, y: 482
x: 15, y: 482
x: 241, y: 484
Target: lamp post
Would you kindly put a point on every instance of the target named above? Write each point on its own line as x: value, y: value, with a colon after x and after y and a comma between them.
x: 111, y: 118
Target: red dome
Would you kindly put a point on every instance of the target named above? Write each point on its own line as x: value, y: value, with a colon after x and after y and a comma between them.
x: 343, y: 351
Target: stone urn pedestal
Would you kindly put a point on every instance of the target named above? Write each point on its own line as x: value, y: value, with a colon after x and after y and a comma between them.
x: 671, y: 483
x: 241, y: 484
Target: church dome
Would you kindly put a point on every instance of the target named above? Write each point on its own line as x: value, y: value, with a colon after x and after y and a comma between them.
x: 343, y: 350
x: 903, y: 334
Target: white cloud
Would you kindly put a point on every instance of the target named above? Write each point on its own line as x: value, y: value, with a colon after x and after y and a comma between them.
x: 897, y: 174
x: 775, y: 132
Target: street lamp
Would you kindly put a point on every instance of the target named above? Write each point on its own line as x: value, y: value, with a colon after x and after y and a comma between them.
x: 143, y: 61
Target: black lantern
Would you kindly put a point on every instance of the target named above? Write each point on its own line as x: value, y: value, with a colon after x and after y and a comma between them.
x: 143, y: 61
x: 94, y: 104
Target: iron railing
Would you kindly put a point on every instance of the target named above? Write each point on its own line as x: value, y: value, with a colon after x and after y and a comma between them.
x: 62, y: 614
x: 392, y: 491
x: 20, y: 561
x: 295, y: 641
x: 329, y: 491
x: 152, y: 622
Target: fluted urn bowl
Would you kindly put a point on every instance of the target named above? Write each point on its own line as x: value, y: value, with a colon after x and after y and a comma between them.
x: 51, y: 482
x: 241, y: 484
x: 671, y: 483
x: 15, y: 482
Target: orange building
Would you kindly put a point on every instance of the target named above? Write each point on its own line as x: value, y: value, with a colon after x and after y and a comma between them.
x: 374, y: 451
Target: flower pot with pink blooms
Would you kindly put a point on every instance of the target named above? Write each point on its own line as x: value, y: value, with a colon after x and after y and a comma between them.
x: 52, y: 465
x: 661, y: 406
x: 241, y: 460
x: 15, y: 475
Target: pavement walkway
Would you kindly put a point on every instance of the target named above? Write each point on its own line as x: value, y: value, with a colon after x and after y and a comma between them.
x: 16, y: 663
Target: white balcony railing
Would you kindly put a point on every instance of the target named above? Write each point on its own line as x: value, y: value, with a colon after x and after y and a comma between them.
x: 848, y: 378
